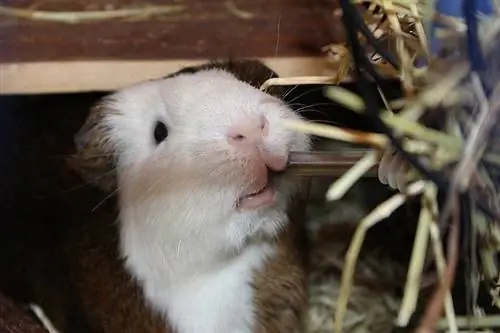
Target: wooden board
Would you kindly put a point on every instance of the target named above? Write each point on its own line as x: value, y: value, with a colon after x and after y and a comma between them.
x: 39, y: 56
x: 204, y: 29
x: 81, y: 76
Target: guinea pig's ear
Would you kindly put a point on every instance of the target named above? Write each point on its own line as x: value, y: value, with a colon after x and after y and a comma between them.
x: 94, y: 159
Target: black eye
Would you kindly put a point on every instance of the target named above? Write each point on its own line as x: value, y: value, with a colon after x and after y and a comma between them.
x: 160, y: 132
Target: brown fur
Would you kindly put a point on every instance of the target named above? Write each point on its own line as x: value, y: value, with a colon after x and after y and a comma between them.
x: 252, y: 72
x: 95, y: 160
x: 72, y: 265
x: 17, y: 319
x: 280, y: 288
x: 108, y: 300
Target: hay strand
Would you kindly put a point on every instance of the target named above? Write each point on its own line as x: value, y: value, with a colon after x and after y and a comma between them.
x: 457, y: 157
x: 417, y: 260
x: 381, y: 212
x: 40, y: 314
x: 337, y: 133
x: 339, y: 188
x: 74, y: 17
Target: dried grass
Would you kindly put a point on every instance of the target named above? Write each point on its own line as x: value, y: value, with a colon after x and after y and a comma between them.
x: 462, y: 152
x: 404, y: 34
x: 75, y: 17
x: 374, y: 301
x: 40, y: 314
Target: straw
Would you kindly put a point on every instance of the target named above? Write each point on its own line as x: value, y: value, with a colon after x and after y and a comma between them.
x: 74, y: 17
x: 458, y: 156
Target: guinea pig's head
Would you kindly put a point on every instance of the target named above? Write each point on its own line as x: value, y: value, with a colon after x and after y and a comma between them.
x: 203, y: 148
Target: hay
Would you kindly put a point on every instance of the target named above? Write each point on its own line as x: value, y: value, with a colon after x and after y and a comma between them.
x: 75, y: 17
x: 16, y: 318
x: 373, y: 302
x: 47, y: 324
x: 457, y: 156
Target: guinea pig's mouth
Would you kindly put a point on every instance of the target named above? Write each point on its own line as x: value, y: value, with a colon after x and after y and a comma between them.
x: 263, y: 197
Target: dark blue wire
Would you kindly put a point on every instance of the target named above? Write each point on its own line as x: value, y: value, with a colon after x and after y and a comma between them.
x: 476, y: 58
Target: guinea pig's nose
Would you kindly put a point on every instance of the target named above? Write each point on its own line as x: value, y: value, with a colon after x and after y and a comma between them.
x: 248, y: 131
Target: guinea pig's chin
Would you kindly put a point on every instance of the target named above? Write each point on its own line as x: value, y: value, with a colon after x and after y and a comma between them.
x: 266, y: 222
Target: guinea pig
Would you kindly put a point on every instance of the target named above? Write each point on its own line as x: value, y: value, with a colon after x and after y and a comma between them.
x: 192, y: 232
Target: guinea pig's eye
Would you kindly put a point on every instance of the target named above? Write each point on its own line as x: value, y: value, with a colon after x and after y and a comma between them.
x: 160, y: 132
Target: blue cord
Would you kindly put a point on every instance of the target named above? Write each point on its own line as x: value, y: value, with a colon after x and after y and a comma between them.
x: 467, y: 9
x: 454, y: 8
x: 476, y: 57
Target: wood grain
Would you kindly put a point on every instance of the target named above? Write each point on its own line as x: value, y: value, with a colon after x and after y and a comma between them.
x: 204, y: 30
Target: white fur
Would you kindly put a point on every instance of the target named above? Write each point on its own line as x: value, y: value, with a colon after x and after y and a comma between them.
x: 183, y: 240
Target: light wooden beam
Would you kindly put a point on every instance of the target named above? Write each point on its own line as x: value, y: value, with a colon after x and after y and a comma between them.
x: 81, y: 76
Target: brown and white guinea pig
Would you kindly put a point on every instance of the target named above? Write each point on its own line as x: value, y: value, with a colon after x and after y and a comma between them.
x: 199, y: 238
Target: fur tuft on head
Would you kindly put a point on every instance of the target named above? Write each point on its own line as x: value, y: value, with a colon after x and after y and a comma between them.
x: 252, y: 72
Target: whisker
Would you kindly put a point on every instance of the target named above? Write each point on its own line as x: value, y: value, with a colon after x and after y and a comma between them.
x: 88, y: 183
x: 152, y: 187
x: 309, y: 91
x: 289, y: 91
x: 106, y: 198
x: 310, y: 108
x: 72, y: 155
x: 94, y: 179
x: 305, y: 106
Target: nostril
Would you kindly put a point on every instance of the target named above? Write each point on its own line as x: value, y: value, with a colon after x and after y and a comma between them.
x: 248, y: 131
x: 263, y: 122
x: 238, y: 137
x: 264, y: 125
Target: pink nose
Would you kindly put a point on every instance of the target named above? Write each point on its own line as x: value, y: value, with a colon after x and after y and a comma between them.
x: 248, y: 131
x: 248, y: 134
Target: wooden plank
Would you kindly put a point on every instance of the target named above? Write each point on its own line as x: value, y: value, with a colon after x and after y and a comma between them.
x: 205, y: 29
x: 81, y: 76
